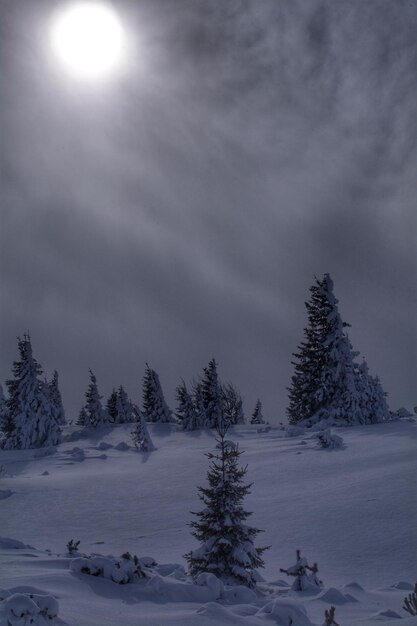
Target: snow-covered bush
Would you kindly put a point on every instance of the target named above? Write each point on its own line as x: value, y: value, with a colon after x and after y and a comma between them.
x: 124, y: 570
x: 326, y: 439
x: 72, y: 546
x: 27, y: 609
x: 305, y: 574
x: 329, y: 617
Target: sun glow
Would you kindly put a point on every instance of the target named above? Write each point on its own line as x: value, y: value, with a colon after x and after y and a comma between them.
x: 89, y: 40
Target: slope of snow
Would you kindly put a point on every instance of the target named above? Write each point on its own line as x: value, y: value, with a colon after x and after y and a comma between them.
x: 351, y: 510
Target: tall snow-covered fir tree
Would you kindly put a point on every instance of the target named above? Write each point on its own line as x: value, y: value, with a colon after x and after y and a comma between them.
x: 96, y: 415
x: 186, y: 412
x: 257, y: 416
x: 324, y: 382
x: 227, y: 543
x: 155, y: 409
x: 56, y: 399
x: 30, y: 421
x: 211, y: 395
x: 232, y: 404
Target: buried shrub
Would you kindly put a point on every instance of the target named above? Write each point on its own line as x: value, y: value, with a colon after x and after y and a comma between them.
x: 305, y: 574
x: 124, y: 570
x: 410, y: 602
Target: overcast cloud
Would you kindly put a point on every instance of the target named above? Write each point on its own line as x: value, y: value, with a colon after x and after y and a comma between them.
x: 182, y: 211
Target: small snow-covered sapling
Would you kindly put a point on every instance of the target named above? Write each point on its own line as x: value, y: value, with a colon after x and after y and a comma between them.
x: 329, y: 617
x: 72, y: 546
x: 305, y: 574
x: 410, y: 602
x: 138, y: 571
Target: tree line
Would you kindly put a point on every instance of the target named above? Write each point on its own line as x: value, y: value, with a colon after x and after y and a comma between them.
x: 328, y: 384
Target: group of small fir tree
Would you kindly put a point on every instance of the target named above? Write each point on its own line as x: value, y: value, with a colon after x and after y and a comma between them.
x: 31, y: 415
x: 207, y: 401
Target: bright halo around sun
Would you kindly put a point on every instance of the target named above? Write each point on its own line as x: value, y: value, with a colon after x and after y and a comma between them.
x: 88, y: 39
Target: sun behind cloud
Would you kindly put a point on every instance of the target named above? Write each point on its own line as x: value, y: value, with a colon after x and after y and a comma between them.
x: 88, y: 40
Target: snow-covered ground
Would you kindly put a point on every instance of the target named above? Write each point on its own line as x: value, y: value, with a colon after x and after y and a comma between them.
x: 353, y: 510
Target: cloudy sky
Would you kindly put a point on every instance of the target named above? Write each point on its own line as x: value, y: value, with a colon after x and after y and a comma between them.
x: 181, y: 210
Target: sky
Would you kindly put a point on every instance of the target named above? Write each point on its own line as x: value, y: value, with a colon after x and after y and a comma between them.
x: 181, y: 210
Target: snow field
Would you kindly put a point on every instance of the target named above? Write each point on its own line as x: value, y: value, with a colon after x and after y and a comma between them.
x: 351, y: 510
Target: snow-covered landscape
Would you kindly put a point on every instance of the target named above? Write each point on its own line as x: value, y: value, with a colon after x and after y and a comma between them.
x: 350, y: 510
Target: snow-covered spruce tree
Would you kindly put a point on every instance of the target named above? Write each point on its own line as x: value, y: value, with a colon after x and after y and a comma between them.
x: 324, y: 383
x: 211, y: 395
x: 96, y: 416
x: 30, y: 417
x: 373, y: 403
x: 82, y: 419
x: 227, y: 543
x: 140, y: 435
x: 56, y: 400
x: 198, y: 402
x: 257, y: 416
x: 379, y: 407
x: 126, y: 411
x: 6, y: 423
x: 186, y: 412
x: 232, y: 404
x: 155, y: 409
x: 111, y: 406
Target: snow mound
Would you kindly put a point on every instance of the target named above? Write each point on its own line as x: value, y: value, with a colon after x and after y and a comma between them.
x: 76, y: 454
x: 217, y: 612
x: 147, y: 561
x: 42, y: 452
x: 334, y: 596
x: 123, y: 446
x: 212, y: 582
x: 403, y: 585
x: 388, y: 614
x: 354, y: 585
x: 13, y: 544
x: 103, y: 445
x: 285, y: 613
x: 5, y: 493
x: 239, y: 595
x: 21, y: 609
x: 294, y: 431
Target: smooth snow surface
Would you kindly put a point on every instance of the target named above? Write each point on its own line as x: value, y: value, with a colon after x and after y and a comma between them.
x: 351, y: 510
